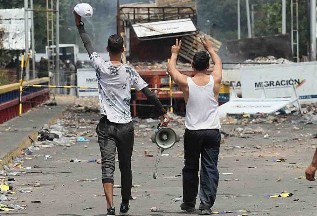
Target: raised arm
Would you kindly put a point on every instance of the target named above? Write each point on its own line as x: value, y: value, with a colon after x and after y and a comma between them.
x: 179, y: 79
x: 83, y: 34
x: 217, y: 69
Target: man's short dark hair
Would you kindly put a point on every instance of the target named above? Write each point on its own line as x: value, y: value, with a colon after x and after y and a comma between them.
x: 201, y: 60
x: 115, y: 44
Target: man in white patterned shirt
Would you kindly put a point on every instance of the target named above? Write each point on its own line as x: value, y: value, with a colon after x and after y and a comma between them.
x: 115, y: 129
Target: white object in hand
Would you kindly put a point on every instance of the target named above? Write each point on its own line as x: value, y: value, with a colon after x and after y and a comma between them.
x: 84, y: 10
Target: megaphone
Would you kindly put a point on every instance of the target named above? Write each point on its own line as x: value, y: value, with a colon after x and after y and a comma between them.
x: 165, y: 137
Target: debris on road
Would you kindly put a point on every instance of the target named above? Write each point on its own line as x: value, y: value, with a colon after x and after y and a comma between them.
x: 282, y: 195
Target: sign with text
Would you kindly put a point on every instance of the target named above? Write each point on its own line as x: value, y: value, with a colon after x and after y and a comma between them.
x: 87, y: 82
x: 277, y: 81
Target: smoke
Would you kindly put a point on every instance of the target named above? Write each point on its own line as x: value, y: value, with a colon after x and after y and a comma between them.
x: 103, y: 23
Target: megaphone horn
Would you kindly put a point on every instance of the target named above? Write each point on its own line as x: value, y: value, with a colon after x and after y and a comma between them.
x: 165, y: 138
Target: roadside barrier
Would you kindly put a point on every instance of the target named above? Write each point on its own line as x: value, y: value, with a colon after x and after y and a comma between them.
x: 16, y: 99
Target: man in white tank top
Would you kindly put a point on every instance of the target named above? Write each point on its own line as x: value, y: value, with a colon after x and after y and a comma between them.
x: 202, y: 136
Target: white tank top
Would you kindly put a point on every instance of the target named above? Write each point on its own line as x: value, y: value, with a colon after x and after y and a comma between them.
x: 201, y: 107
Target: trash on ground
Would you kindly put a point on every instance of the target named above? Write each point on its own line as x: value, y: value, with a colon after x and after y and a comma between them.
x: 82, y: 139
x: 282, y: 195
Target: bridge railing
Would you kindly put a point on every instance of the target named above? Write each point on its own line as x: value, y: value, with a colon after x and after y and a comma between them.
x: 10, y: 97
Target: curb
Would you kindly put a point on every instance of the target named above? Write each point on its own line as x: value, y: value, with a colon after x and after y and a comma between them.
x: 25, y: 142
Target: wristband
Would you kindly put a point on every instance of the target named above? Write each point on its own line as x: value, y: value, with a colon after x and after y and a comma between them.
x: 81, y: 24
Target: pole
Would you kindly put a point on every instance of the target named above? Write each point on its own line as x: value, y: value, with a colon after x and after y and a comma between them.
x: 171, y: 94
x: 118, y: 17
x: 292, y: 26
x: 297, y: 33
x: 239, y: 20
x: 313, y: 29
x: 33, y: 42
x: 57, y: 44
x: 252, y: 20
x: 26, y: 27
x: 283, y: 16
x: 248, y: 18
x: 21, y: 85
x: 170, y: 83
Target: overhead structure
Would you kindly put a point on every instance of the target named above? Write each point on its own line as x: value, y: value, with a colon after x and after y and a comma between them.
x: 52, y: 12
x: 52, y: 35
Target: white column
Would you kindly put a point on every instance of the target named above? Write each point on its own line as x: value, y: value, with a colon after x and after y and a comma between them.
x: 33, y: 41
x: 26, y: 27
x: 248, y: 18
x: 283, y: 16
x: 57, y: 45
x: 313, y: 29
x: 239, y: 20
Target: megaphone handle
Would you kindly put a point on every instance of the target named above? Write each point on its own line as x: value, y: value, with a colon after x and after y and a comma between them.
x: 158, y: 158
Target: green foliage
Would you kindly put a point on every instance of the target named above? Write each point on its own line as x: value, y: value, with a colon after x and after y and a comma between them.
x: 3, y: 79
x: 9, y: 4
x: 219, y: 19
x: 269, y: 22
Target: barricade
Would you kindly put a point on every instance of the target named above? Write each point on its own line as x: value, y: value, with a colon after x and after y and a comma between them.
x: 10, y: 97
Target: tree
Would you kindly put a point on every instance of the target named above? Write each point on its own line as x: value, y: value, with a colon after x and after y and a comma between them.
x: 219, y: 18
x: 269, y: 22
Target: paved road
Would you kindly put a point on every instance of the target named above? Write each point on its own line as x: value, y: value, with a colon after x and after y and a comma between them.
x: 256, y: 162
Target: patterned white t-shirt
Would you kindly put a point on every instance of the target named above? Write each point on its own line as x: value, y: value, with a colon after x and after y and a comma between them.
x: 115, y: 83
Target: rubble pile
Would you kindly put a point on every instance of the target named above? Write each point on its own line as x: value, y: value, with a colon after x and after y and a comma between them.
x: 310, y: 109
x: 85, y: 104
x: 159, y: 66
x: 268, y: 60
x: 308, y: 115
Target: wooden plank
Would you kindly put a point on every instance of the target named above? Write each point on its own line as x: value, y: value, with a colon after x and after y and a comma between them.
x: 191, y: 44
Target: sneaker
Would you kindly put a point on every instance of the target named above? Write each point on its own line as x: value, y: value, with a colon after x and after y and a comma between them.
x: 124, y: 208
x: 205, y: 212
x: 188, y: 208
x: 111, y: 211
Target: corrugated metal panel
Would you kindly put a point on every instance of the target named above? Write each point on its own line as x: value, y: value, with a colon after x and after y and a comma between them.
x: 12, y: 31
x: 161, y: 28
